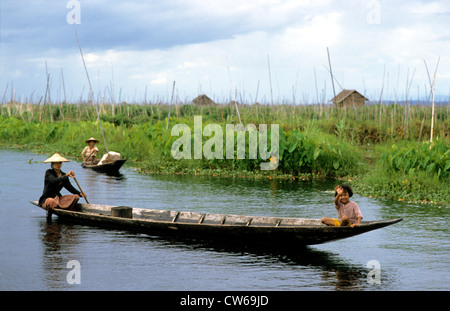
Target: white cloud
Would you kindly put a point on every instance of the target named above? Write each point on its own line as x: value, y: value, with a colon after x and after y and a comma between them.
x: 195, y: 42
x: 322, y: 30
x: 160, y: 79
x: 429, y: 8
x: 187, y: 65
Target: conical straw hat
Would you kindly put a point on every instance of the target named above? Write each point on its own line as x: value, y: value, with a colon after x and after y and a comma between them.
x: 92, y: 138
x: 56, y: 158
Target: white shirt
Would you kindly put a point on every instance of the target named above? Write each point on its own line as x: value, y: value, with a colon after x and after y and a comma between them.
x: 88, y: 152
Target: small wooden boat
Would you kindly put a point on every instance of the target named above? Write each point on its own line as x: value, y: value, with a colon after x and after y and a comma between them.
x: 255, y: 229
x: 111, y: 168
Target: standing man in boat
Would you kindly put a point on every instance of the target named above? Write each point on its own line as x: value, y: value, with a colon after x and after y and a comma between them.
x: 54, y: 181
x: 89, y: 152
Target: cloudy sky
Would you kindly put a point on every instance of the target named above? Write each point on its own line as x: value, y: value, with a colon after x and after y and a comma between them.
x: 136, y: 49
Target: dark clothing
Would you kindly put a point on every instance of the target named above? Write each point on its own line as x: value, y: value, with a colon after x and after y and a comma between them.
x: 53, y: 185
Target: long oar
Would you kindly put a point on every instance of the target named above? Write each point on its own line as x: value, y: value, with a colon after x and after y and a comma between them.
x: 81, y: 190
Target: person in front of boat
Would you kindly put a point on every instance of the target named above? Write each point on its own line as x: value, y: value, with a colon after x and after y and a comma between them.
x: 89, y: 152
x: 348, y: 211
x: 54, y: 181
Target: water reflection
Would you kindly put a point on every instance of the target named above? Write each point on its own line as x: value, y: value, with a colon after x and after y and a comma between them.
x: 335, y: 272
x: 101, y: 176
x: 60, y: 244
x: 199, y: 193
x: 61, y: 239
x: 116, y: 175
x: 413, y: 253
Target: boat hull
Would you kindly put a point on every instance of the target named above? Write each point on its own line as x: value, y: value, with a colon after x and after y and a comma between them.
x: 112, y: 167
x: 254, y: 229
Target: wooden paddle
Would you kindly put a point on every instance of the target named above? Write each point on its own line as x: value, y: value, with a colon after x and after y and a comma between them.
x: 81, y: 190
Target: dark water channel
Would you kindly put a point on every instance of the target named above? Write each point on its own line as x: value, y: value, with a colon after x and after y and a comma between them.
x: 412, y: 255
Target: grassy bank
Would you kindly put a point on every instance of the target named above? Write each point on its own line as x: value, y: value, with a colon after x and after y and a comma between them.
x: 148, y: 146
x: 315, y: 142
x: 410, y: 171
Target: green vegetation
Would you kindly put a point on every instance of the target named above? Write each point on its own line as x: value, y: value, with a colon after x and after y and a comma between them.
x: 148, y: 146
x: 380, y: 148
x: 411, y: 171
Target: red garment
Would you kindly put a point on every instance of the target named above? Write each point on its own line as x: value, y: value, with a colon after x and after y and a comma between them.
x: 68, y: 202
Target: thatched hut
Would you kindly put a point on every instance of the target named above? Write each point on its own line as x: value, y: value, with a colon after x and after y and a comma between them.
x: 348, y: 98
x: 203, y: 100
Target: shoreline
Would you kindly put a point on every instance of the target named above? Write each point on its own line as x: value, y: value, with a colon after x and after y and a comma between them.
x: 370, y: 147
x: 307, y: 177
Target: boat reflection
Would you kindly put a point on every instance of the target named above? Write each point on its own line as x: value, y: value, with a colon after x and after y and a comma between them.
x: 58, y: 241
x: 62, y: 242
x: 336, y: 272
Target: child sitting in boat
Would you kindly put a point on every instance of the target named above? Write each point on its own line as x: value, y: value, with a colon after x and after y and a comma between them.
x: 89, y: 152
x: 348, y: 211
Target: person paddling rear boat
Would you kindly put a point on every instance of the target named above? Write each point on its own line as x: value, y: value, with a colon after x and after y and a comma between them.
x: 89, y: 152
x: 54, y: 181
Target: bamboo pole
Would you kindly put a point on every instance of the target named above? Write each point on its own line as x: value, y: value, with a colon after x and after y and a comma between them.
x: 171, y: 100
x: 61, y: 83
x: 270, y: 80
x: 231, y: 90
x: 432, y: 110
x: 4, y: 94
x: 91, y: 95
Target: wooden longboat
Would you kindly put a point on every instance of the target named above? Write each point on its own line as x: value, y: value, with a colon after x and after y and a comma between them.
x: 111, y: 168
x: 257, y: 229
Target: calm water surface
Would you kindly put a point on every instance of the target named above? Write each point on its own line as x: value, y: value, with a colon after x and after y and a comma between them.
x: 413, y: 254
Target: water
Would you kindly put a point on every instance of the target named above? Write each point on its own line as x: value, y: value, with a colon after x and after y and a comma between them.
x: 413, y: 254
